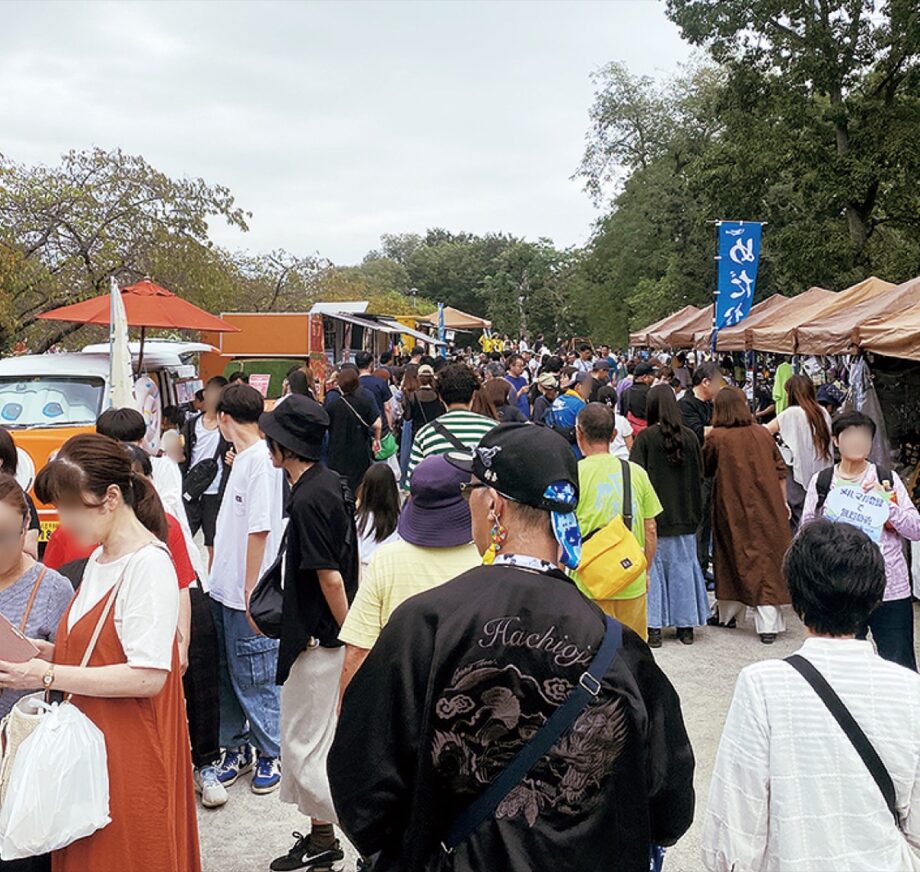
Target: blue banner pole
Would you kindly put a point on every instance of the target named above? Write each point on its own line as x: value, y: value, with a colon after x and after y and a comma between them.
x: 715, y: 299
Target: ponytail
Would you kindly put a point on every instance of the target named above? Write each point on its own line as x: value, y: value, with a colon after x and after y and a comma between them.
x: 148, y: 507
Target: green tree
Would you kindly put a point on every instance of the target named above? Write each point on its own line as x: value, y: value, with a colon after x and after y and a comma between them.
x: 96, y: 215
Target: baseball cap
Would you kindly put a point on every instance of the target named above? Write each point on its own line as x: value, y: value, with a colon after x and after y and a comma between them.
x: 579, y: 378
x: 533, y: 466
x: 601, y: 363
x: 547, y: 380
x: 426, y: 369
x: 644, y: 369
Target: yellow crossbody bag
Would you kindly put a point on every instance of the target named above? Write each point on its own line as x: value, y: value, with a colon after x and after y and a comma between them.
x: 611, y: 557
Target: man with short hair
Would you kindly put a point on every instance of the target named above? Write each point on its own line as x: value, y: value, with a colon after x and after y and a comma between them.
x: 202, y: 440
x: 320, y: 577
x: 600, y: 482
x: 249, y: 526
x: 600, y: 372
x: 458, y: 428
x: 464, y: 676
x: 696, y: 409
x: 516, y: 378
x: 583, y: 361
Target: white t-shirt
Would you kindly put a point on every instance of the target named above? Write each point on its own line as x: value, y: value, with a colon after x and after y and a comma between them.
x: 624, y: 430
x: 147, y: 605
x: 206, y: 442
x: 167, y: 479
x: 367, y: 544
x: 252, y: 503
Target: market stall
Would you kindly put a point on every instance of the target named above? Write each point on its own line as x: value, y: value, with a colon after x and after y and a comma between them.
x: 682, y: 336
x: 778, y: 334
x: 737, y: 338
x: 639, y: 339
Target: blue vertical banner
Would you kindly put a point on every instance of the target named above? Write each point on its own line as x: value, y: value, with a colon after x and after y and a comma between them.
x: 739, y: 256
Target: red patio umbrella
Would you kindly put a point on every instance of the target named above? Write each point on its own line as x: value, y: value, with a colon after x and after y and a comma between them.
x: 146, y: 305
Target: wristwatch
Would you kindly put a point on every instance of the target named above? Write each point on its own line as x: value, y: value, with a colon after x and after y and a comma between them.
x: 48, y: 677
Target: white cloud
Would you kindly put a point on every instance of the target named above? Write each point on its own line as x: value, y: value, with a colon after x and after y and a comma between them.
x: 334, y: 123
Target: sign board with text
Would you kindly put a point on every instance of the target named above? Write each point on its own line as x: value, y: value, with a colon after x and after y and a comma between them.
x: 866, y: 510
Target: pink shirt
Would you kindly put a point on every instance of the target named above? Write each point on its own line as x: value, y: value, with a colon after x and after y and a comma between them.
x: 902, y: 516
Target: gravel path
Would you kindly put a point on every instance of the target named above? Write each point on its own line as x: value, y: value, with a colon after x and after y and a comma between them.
x: 250, y: 831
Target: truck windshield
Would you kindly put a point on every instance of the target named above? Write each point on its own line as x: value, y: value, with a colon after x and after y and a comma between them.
x: 49, y: 400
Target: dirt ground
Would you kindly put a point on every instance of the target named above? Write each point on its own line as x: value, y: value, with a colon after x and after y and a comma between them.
x: 247, y: 833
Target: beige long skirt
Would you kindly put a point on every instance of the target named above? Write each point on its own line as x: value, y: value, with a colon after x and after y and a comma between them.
x: 308, y: 718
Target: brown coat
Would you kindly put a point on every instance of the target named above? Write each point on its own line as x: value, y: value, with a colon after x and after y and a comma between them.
x: 750, y: 524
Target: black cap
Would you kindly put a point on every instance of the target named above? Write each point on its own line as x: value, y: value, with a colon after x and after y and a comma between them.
x: 523, y: 462
x: 297, y: 424
x: 580, y: 378
x: 644, y: 369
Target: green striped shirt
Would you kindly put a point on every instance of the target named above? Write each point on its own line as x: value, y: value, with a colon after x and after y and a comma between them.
x: 468, y: 428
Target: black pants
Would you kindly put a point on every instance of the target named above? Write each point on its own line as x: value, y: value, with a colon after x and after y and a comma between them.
x: 704, y: 531
x: 202, y: 683
x: 202, y: 515
x: 892, y: 625
x: 42, y: 863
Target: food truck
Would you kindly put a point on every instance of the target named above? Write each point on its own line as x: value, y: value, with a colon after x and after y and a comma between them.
x: 47, y: 398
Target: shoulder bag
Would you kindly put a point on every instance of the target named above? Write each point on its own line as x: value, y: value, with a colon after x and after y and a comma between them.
x: 858, y: 739
x: 611, y: 556
x: 199, y: 478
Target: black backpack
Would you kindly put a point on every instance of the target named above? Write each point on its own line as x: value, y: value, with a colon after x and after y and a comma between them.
x: 826, y: 476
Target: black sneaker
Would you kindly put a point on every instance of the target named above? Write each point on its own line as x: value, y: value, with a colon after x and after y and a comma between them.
x: 685, y: 635
x: 304, y: 855
x: 768, y: 638
x: 654, y: 637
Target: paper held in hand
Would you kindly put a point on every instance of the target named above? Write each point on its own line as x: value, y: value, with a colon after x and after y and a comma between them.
x: 867, y: 510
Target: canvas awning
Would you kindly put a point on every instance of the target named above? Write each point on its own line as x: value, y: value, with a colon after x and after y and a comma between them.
x: 736, y: 338
x: 454, y: 319
x: 682, y: 337
x: 660, y: 337
x: 640, y: 337
x: 833, y: 331
x: 896, y: 335
x: 409, y: 331
x: 778, y: 334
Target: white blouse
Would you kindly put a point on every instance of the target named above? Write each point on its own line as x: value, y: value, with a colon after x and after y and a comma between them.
x: 146, y: 608
x: 796, y: 433
x: 789, y: 792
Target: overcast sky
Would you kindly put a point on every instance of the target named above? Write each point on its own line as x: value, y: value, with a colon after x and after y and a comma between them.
x: 335, y: 122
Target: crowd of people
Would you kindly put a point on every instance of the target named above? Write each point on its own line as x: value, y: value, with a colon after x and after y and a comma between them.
x: 390, y: 622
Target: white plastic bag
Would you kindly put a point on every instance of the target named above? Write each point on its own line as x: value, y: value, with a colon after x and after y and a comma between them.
x: 59, y: 785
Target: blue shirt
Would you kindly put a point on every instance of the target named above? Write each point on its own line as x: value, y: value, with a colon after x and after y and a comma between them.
x: 523, y: 401
x: 382, y: 394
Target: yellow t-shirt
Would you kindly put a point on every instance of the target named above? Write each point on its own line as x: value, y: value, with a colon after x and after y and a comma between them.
x: 600, y: 500
x: 395, y: 572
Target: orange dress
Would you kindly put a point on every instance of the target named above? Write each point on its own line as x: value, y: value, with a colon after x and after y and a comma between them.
x: 151, y: 795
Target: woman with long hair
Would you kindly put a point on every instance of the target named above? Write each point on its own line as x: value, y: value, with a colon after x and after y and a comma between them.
x: 497, y: 392
x: 377, y: 513
x: 750, y: 528
x: 421, y: 405
x: 805, y: 430
x: 132, y: 687
x: 670, y: 453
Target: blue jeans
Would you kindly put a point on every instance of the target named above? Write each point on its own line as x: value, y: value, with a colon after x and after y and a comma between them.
x: 250, y: 701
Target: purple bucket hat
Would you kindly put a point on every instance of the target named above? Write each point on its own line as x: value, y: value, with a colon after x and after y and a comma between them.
x: 436, y: 515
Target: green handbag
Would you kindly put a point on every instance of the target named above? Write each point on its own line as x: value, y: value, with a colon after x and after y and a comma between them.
x: 388, y: 447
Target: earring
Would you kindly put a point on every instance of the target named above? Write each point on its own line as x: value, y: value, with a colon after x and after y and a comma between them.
x: 498, y: 535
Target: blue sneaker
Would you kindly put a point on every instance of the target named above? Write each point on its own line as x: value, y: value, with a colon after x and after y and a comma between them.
x: 267, y: 776
x: 234, y: 763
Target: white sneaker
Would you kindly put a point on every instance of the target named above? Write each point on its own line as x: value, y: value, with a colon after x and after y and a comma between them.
x: 213, y: 793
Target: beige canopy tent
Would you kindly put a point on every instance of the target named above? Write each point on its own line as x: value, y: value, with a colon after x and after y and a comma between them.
x: 682, y: 337
x: 640, y: 337
x: 454, y: 319
x: 897, y: 334
x: 737, y: 338
x: 833, y: 332
x: 778, y: 334
x: 660, y: 337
